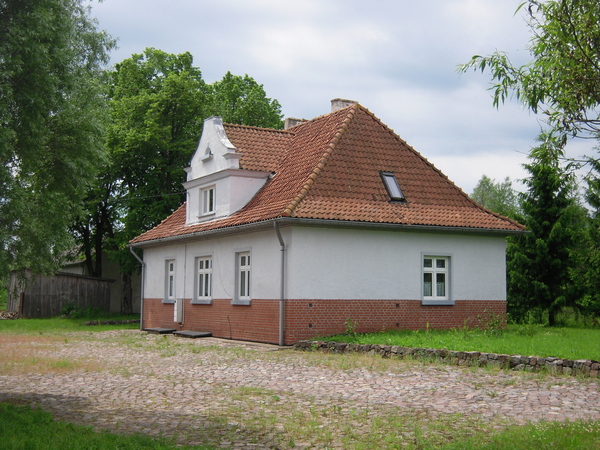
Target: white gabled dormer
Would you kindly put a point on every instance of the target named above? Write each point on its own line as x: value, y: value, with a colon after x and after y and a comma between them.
x: 216, y: 186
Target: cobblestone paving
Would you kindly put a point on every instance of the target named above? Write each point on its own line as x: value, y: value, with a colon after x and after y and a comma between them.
x: 210, y: 390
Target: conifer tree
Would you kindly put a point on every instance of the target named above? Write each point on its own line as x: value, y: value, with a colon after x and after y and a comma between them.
x: 539, y: 262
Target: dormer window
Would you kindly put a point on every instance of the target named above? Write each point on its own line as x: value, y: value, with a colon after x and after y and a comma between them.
x: 207, y: 197
x: 391, y: 186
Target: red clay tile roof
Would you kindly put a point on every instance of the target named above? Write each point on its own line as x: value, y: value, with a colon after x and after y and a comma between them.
x: 329, y: 168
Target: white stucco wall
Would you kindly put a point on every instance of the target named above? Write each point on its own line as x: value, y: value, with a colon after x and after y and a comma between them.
x: 265, y: 265
x: 327, y: 263
x: 361, y: 264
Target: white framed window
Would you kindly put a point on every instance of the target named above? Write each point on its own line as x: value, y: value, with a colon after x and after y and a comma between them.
x: 204, y: 267
x: 170, y: 280
x: 207, y: 200
x: 243, y: 287
x: 435, y: 279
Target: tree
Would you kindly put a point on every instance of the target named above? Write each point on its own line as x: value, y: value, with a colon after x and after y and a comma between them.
x: 538, y: 263
x: 498, y: 197
x: 563, y: 79
x: 244, y: 102
x: 587, y: 257
x: 52, y: 112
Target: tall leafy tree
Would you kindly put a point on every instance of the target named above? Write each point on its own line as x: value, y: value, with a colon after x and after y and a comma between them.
x: 52, y: 115
x: 243, y: 101
x: 539, y: 262
x: 498, y: 197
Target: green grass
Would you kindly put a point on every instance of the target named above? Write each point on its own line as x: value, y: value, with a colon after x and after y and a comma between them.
x: 57, y: 325
x: 541, y: 436
x: 22, y: 427
x: 567, y: 343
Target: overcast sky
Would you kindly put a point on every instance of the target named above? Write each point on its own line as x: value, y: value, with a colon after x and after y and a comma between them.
x: 397, y: 58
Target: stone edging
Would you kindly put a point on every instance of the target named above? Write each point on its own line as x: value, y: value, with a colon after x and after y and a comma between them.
x: 111, y: 322
x: 583, y: 367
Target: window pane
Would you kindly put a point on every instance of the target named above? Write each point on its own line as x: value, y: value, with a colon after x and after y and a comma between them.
x: 248, y: 281
x: 428, y: 262
x: 171, y: 285
x: 441, y: 284
x: 207, y: 280
x: 171, y: 267
x: 242, y: 283
x: 392, y: 185
x: 427, y: 282
x: 243, y: 261
x: 211, y: 200
x: 440, y: 263
x: 248, y: 259
x: 201, y: 265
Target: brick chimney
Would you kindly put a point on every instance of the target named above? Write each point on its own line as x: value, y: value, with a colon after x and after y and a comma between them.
x: 339, y: 103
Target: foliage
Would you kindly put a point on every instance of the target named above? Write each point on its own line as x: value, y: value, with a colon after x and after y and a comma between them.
x: 562, y: 79
x: 23, y: 427
x: 568, y: 343
x: 52, y: 113
x: 538, y: 263
x: 243, y: 101
x: 498, y: 197
x: 351, y: 328
x: 586, y: 273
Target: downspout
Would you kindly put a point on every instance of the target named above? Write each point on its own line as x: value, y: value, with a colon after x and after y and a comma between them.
x: 142, y: 287
x: 282, y: 296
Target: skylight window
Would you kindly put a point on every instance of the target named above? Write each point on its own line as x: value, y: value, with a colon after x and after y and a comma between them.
x: 392, y: 187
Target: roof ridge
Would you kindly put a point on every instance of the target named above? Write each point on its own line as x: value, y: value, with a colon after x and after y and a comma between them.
x: 426, y: 161
x: 321, y: 164
x: 252, y: 127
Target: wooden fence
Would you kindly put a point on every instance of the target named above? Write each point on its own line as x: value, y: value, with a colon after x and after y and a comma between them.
x: 46, y: 296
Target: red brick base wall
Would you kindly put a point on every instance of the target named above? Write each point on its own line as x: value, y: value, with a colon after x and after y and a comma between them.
x: 309, y: 318
x: 327, y: 317
x: 258, y: 322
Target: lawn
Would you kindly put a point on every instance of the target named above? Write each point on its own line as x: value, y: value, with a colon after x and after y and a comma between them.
x: 57, y: 325
x: 529, y: 340
x: 22, y: 427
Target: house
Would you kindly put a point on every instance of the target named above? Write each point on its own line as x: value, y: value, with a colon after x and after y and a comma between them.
x: 286, y: 234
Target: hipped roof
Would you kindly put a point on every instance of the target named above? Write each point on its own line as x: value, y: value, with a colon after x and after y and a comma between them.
x: 329, y: 169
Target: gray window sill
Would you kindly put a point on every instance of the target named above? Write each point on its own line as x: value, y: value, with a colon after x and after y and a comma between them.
x: 169, y: 300
x: 437, y: 302
x: 241, y: 302
x: 202, y: 302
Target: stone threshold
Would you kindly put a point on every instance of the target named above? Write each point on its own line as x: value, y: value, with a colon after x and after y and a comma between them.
x: 585, y: 367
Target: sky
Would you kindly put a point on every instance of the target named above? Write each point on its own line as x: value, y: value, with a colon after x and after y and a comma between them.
x: 398, y: 58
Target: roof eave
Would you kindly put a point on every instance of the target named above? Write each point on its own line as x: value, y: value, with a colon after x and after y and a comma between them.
x: 267, y: 224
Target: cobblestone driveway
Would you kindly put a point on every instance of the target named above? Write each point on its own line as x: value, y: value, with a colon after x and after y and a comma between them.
x: 247, y: 396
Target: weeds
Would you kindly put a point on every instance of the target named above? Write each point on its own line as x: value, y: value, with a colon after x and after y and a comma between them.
x: 351, y: 329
